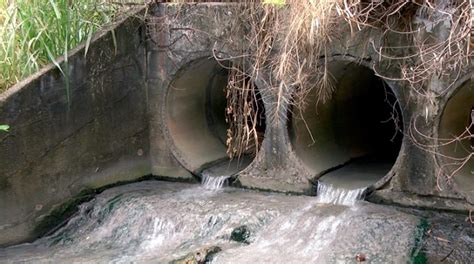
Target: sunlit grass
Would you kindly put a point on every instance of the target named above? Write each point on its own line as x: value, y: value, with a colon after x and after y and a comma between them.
x: 275, y: 2
x: 34, y: 32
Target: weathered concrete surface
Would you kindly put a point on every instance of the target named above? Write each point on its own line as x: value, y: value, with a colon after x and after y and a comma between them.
x: 276, y: 167
x: 55, y: 147
x: 185, y: 34
x: 182, y: 38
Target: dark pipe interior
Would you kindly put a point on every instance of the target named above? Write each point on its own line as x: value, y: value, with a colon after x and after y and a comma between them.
x: 457, y: 122
x: 196, y: 119
x: 354, y: 139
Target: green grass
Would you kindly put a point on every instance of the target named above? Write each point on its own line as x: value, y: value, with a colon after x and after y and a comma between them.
x: 275, y: 2
x: 35, y: 32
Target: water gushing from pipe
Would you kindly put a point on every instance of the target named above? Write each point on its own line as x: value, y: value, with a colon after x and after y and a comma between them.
x: 213, y: 183
x: 333, y: 195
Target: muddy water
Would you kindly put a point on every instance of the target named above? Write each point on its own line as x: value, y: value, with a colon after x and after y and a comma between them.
x: 161, y: 222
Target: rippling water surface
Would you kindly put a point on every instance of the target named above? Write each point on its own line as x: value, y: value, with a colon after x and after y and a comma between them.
x: 162, y: 222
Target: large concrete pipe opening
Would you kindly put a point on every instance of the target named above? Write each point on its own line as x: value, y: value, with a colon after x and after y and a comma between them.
x: 196, y: 121
x: 456, y: 139
x: 353, y: 140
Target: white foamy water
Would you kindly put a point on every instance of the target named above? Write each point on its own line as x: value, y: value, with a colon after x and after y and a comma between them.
x: 213, y: 182
x: 321, y: 233
x: 162, y: 222
x: 330, y: 194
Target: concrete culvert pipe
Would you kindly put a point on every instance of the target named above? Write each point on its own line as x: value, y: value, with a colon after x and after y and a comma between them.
x: 196, y: 122
x: 353, y: 140
x: 456, y: 141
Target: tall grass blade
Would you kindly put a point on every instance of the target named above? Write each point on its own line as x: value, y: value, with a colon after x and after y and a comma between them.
x: 114, y: 39
x: 88, y: 43
x: 55, y: 8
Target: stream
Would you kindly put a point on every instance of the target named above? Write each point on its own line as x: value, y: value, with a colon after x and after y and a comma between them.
x: 164, y: 222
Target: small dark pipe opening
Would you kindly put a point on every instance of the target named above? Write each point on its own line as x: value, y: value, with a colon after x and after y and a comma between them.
x: 354, y: 139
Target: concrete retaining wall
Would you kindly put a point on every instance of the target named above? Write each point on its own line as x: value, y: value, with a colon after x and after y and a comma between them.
x: 124, y: 120
x: 57, y: 148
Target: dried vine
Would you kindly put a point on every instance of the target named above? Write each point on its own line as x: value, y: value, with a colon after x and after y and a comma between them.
x: 243, y: 115
x: 292, y: 42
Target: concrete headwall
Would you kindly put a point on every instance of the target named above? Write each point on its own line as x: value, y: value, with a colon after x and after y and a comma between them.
x: 147, y: 106
x: 57, y: 147
x: 185, y: 35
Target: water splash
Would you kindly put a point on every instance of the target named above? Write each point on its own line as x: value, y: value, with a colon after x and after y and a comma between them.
x: 150, y: 222
x: 162, y: 222
x: 213, y: 183
x: 332, y: 195
x: 316, y: 233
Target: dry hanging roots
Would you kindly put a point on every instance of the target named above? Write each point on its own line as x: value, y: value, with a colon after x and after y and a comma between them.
x: 242, y: 115
x: 289, y: 43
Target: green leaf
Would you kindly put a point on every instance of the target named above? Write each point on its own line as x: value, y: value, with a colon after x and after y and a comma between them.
x: 56, y: 9
x: 53, y: 59
x: 278, y: 3
x: 4, y: 128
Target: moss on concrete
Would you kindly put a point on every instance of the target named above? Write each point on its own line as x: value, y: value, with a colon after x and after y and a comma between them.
x: 418, y: 256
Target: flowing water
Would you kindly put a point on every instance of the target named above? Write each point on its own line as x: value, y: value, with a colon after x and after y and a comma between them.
x: 213, y: 183
x: 331, y: 195
x: 162, y: 222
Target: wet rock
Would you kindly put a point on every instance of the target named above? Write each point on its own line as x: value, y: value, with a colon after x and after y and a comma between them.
x: 201, y: 256
x: 241, y: 234
x: 361, y: 258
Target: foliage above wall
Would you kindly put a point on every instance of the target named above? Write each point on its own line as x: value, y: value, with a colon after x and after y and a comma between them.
x: 34, y: 32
